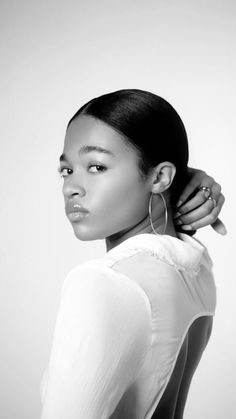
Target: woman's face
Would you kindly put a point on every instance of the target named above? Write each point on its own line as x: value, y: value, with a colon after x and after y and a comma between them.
x: 101, y: 174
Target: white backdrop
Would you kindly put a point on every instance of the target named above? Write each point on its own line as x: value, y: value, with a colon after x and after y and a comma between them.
x: 56, y: 55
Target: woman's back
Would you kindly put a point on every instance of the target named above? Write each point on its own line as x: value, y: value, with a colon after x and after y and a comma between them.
x: 127, y: 329
x: 172, y: 403
x: 177, y: 279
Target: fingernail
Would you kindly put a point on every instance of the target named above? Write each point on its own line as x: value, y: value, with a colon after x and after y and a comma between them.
x: 178, y: 222
x: 222, y: 230
x: 177, y: 214
x: 179, y: 203
x: 188, y: 227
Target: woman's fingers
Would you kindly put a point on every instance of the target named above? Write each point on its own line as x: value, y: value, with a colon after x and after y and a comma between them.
x: 204, y: 215
x: 200, y: 203
x: 215, y: 190
x: 197, y: 214
x: 199, y: 199
x: 217, y: 224
x: 219, y: 227
x: 199, y: 179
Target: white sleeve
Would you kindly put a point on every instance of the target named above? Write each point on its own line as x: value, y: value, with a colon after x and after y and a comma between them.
x: 101, y: 338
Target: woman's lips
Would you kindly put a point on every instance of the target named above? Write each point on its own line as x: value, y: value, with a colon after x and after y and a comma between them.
x: 77, y: 215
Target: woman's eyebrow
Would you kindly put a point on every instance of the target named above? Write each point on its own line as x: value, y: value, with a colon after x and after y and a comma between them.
x: 88, y: 149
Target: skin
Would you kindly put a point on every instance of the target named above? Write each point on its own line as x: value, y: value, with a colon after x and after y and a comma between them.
x: 110, y: 186
x: 198, y: 211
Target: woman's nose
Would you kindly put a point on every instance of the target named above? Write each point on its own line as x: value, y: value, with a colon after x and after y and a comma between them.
x: 72, y: 186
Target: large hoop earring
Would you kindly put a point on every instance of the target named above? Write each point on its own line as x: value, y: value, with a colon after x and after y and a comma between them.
x: 150, y: 213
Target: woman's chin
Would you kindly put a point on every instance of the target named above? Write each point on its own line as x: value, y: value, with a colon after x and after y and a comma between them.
x: 86, y: 234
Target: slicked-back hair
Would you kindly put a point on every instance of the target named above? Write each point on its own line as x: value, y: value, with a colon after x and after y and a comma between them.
x: 150, y: 124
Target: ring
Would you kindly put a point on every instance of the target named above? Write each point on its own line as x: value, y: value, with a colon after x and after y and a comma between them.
x: 205, y: 189
x: 213, y: 200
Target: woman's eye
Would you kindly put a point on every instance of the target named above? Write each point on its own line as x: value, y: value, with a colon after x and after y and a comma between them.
x: 92, y: 168
x: 64, y: 171
x: 95, y: 168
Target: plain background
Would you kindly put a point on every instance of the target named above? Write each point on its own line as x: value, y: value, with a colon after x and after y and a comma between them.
x: 55, y: 56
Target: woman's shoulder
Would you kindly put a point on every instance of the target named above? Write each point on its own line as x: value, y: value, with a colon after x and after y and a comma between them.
x: 87, y: 274
x: 98, y: 278
x: 103, y: 299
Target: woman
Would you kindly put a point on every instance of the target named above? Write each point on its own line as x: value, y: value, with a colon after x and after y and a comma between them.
x: 132, y: 326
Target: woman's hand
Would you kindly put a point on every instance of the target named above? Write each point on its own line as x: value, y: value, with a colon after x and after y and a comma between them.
x: 200, y: 204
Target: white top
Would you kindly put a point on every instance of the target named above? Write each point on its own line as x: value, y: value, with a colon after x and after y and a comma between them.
x: 121, y: 323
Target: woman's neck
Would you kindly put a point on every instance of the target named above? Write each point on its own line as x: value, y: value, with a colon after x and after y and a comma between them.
x: 143, y: 227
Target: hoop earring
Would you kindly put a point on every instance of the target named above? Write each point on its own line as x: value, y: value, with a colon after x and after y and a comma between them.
x: 150, y: 213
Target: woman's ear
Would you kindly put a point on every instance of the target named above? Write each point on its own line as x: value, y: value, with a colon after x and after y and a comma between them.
x: 162, y: 176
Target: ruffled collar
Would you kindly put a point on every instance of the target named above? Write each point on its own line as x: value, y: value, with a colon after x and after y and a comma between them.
x: 184, y: 251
